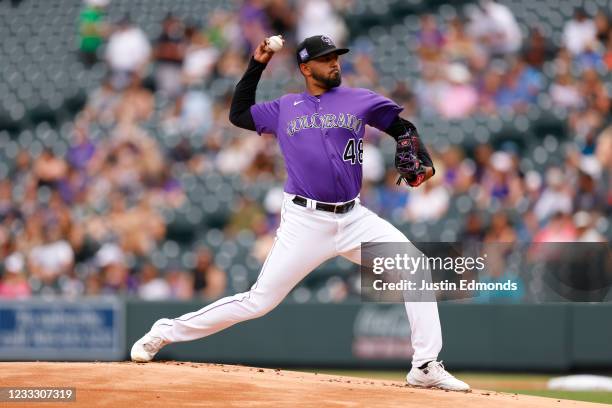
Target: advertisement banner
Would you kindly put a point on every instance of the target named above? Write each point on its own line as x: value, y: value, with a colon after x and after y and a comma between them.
x: 87, y: 329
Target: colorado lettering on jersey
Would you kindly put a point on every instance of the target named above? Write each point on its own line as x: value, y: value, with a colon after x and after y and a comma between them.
x: 326, y: 121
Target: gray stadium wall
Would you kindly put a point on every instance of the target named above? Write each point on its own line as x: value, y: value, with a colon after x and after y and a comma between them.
x: 548, y: 337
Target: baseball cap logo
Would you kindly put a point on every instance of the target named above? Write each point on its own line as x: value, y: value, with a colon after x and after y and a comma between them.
x: 327, y: 40
x: 304, y: 54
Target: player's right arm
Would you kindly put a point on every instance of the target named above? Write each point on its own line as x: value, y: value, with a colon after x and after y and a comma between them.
x: 244, y: 94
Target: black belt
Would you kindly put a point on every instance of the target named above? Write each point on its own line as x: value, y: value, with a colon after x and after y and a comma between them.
x: 337, y: 209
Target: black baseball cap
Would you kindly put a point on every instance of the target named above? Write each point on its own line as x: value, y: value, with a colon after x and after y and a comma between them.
x: 315, y: 47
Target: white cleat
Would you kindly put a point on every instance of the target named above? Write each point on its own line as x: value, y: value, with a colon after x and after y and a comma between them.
x: 434, y: 375
x: 147, y: 347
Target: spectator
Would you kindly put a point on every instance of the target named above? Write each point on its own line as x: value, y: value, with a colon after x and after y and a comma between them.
x: 22, y: 171
x: 92, y: 30
x: 555, y: 198
x: 495, y: 26
x: 584, y: 125
x: 52, y: 258
x: 482, y: 160
x: 281, y: 16
x: 455, y: 169
x: 249, y: 216
x: 192, y: 113
x: 169, y: 53
x: 603, y: 151
x: 365, y: 75
x: 537, y: 51
x: 200, y: 58
x: 473, y: 231
x: 168, y: 190
x: 32, y: 235
x: 564, y: 92
x: 316, y: 17
x: 488, y: 89
x: 151, y: 285
x: 602, y: 28
x: 511, y: 95
x: 563, y: 61
x: 579, y: 32
x: 49, y: 169
x: 585, y: 232
x: 587, y: 197
x: 607, y: 58
x: 429, y: 203
x: 180, y: 282
x: 81, y: 149
x: 222, y: 28
x: 429, y: 38
x: 127, y: 54
x: 590, y: 57
x: 111, y: 261
x: 231, y: 65
x: 73, y: 187
x: 13, y: 283
x: 428, y: 90
x: 115, y: 278
x: 138, y: 227
x: 107, y: 254
x: 404, y: 96
x: 500, y: 183
x: 458, y: 99
x: 93, y: 285
x: 594, y: 91
x: 520, y: 88
x: 6, y: 198
x: 136, y: 104
x: 209, y: 281
x: 559, y: 228
x: 458, y: 46
x: 528, y: 227
x: 391, y: 198
x: 500, y: 229
x: 102, y: 104
x: 237, y: 155
x: 254, y: 23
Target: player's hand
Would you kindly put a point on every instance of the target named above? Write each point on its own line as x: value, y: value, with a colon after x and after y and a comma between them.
x: 263, y: 53
x: 422, y: 178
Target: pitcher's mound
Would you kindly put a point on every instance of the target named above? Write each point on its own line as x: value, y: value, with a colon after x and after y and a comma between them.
x: 176, y: 384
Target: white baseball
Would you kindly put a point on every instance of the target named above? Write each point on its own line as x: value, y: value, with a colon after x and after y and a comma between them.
x: 275, y: 42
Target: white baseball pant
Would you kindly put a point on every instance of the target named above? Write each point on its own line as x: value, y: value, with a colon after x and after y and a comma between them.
x: 305, y: 239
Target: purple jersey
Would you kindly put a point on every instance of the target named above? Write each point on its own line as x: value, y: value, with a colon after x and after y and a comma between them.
x: 321, y: 138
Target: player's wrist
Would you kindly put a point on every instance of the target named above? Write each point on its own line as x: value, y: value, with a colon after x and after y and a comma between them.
x: 257, y: 63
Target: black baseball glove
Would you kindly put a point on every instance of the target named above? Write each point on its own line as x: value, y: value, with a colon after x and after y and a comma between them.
x: 407, y: 162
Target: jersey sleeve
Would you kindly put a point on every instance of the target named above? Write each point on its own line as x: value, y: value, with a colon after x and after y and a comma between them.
x: 381, y: 111
x: 265, y: 116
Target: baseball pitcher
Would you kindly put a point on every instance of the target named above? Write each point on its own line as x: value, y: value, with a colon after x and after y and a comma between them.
x: 320, y: 132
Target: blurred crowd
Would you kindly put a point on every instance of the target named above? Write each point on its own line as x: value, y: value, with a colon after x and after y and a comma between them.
x: 86, y: 220
x: 481, y: 64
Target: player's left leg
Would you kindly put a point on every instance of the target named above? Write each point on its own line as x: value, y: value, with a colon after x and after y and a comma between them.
x: 304, y: 239
x: 362, y: 225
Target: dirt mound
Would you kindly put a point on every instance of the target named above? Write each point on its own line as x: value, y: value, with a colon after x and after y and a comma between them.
x: 174, y: 384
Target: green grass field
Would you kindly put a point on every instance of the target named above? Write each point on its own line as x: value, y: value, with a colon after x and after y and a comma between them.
x: 529, y: 384
x: 589, y: 396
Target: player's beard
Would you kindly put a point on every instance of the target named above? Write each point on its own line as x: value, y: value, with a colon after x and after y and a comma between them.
x: 330, y: 81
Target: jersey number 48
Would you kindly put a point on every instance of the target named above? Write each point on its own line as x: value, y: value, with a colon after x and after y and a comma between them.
x: 352, y: 155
